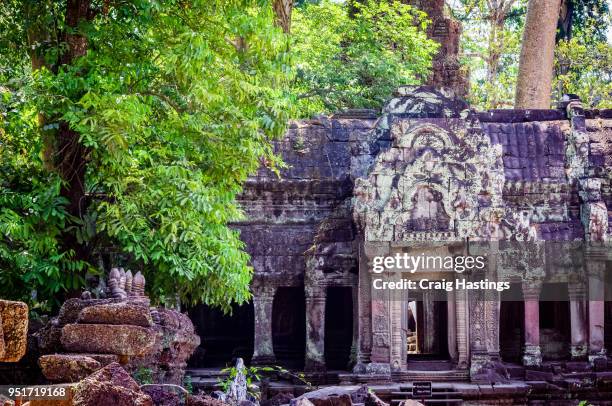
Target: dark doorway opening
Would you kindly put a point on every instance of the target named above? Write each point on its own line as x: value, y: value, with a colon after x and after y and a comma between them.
x: 224, y: 337
x: 555, y: 328
x: 338, y: 327
x: 427, y: 329
x: 289, y: 327
x: 512, y: 324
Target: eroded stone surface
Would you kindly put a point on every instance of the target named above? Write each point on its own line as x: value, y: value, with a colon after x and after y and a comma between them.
x: 69, y: 312
x: 108, y: 339
x: 14, y: 319
x: 116, y: 313
x: 111, y: 385
x: 67, y: 368
x: 95, y: 393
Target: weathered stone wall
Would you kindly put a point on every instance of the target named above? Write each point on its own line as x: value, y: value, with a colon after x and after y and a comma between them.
x: 284, y: 214
x: 539, y: 174
x: 325, y: 156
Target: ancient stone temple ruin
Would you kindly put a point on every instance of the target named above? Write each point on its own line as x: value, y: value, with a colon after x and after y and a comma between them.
x: 360, y: 185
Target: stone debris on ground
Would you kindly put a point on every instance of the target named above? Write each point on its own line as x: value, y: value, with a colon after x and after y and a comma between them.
x: 111, y: 385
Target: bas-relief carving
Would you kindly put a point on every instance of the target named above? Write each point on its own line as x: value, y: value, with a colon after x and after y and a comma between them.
x: 431, y: 181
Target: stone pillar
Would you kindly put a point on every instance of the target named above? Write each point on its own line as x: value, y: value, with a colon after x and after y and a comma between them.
x: 263, y: 297
x: 452, y: 326
x: 364, y: 315
x: 430, y: 333
x: 578, y: 321
x: 316, y: 297
x: 354, y: 357
x: 463, y: 339
x: 596, y: 271
x: 532, y: 355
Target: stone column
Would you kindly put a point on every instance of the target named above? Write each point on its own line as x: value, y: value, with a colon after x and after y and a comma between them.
x: 316, y: 297
x: 463, y: 321
x: 578, y: 321
x: 364, y: 313
x: 354, y: 357
x: 430, y: 334
x: 532, y: 355
x: 452, y: 326
x: 263, y: 297
x: 596, y: 271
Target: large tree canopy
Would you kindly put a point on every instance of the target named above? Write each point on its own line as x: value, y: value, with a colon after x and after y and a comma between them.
x: 129, y: 126
x: 355, y: 58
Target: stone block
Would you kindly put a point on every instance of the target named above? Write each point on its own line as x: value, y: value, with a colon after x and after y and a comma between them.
x: 108, y: 339
x: 67, y: 368
x: 116, y: 313
x: 2, y: 346
x: 71, y: 308
x: 49, y: 338
x: 107, y: 389
x: 14, y: 320
x: 103, y: 359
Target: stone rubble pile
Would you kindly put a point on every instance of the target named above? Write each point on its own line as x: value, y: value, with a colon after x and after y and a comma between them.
x: 89, y: 334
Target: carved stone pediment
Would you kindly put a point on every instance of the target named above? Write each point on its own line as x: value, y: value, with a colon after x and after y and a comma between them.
x: 439, y: 180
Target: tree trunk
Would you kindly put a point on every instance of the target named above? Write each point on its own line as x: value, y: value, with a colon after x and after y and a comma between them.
x: 534, y: 84
x: 496, y: 45
x: 70, y: 154
x: 282, y: 9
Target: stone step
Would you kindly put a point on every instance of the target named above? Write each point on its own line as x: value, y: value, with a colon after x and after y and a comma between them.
x: 441, y: 393
x: 436, y: 398
x: 206, y: 372
x: 434, y: 376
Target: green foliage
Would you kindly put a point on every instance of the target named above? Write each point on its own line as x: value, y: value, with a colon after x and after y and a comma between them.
x: 143, y: 375
x: 585, y: 69
x: 188, y: 384
x: 590, y: 20
x: 32, y: 212
x: 256, y: 373
x: 491, y: 43
x: 357, y: 61
x: 175, y: 105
